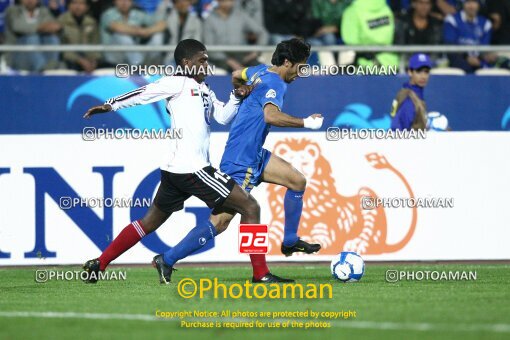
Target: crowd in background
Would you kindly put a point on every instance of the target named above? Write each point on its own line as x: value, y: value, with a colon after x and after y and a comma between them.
x: 247, y: 22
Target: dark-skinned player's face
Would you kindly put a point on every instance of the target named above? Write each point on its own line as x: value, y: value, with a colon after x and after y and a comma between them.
x: 199, y: 64
x: 292, y: 70
x: 420, y: 77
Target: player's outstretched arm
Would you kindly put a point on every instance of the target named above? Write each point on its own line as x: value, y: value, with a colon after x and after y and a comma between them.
x: 97, y: 109
x: 163, y: 88
x: 273, y: 116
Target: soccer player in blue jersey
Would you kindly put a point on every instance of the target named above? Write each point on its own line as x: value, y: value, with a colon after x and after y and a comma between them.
x: 249, y: 164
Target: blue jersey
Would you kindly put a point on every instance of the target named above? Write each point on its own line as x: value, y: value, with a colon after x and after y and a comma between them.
x: 249, y: 130
x: 403, y: 118
x: 457, y: 30
x: 3, y: 8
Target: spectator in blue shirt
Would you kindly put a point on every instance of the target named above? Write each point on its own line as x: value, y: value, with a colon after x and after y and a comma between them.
x: 148, y: 6
x: 409, y: 111
x: 467, y: 27
x: 3, y: 8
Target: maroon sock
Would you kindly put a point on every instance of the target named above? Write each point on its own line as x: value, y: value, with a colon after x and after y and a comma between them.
x: 128, y: 237
x: 258, y: 262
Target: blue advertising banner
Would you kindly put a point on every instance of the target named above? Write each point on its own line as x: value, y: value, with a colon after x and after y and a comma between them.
x: 53, y: 104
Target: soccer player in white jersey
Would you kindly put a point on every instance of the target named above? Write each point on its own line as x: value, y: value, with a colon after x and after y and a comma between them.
x: 186, y: 170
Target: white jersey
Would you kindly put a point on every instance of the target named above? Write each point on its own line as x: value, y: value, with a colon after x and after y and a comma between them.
x: 190, y: 106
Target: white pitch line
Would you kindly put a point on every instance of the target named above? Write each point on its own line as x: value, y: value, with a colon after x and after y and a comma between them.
x: 75, y: 315
x: 498, y: 328
x: 424, y: 327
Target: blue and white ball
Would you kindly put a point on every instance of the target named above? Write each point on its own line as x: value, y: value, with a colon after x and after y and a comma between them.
x: 436, y: 122
x: 348, y: 267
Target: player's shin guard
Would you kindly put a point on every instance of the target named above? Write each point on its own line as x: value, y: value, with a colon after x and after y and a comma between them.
x: 259, y: 265
x: 293, y: 205
x: 195, y: 240
x: 128, y: 237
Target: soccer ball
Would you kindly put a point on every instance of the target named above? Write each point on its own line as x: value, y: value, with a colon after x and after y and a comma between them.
x: 348, y: 267
x: 436, y: 122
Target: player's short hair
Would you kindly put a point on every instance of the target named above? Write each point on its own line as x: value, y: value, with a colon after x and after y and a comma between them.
x: 186, y: 49
x: 294, y: 50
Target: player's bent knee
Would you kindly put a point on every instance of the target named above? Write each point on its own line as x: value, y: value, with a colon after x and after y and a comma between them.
x: 302, y: 182
x: 252, y: 207
x: 298, y: 182
x: 221, y: 228
x: 217, y: 223
x: 220, y: 222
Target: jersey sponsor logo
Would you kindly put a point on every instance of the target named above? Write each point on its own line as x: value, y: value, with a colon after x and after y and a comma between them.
x: 253, y: 239
x: 271, y: 94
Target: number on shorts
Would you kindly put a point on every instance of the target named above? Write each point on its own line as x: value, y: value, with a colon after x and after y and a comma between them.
x: 221, y: 176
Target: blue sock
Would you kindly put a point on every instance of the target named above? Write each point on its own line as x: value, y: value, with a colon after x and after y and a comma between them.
x: 293, y: 205
x: 196, y: 239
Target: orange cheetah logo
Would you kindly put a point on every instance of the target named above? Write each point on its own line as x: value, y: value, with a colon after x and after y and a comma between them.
x: 334, y: 221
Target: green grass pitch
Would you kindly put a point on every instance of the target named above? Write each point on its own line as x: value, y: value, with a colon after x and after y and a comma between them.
x: 126, y: 309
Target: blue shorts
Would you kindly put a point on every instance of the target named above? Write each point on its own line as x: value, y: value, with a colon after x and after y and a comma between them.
x: 247, y: 177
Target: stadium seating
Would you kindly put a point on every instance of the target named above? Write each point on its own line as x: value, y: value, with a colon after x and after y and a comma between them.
x: 492, y: 72
x: 346, y: 58
x: 60, y: 72
x: 447, y: 71
x: 265, y: 58
x: 326, y: 58
x: 104, y: 72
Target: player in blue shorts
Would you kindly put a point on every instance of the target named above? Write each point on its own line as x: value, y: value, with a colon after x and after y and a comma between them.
x: 249, y: 164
